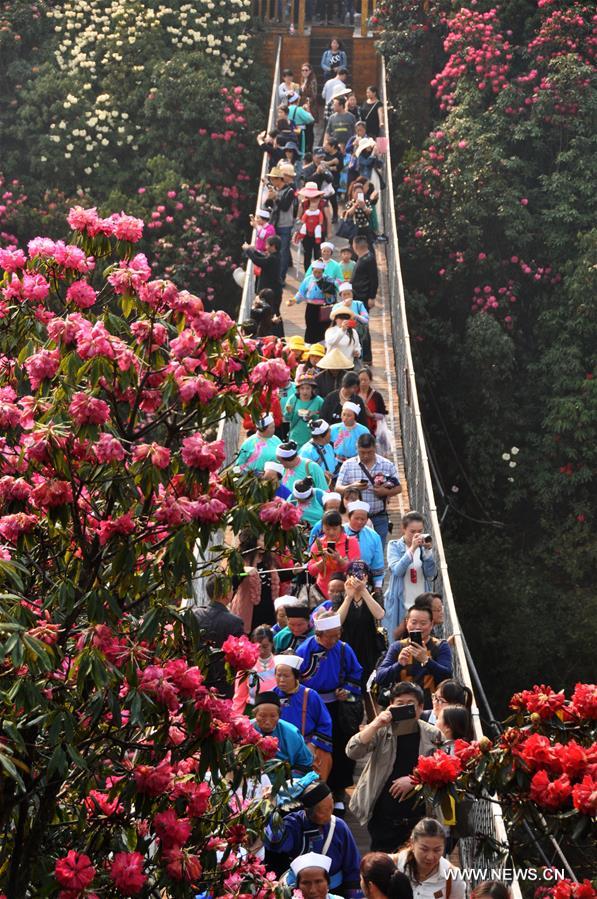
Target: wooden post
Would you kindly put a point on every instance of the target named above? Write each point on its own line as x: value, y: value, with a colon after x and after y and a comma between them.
x: 364, y: 17
x: 292, y: 5
x: 301, y: 17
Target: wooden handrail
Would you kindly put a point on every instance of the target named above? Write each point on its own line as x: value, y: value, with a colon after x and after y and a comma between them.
x: 364, y: 17
x: 301, y: 17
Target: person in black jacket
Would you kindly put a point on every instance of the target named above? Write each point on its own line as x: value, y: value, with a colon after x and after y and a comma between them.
x: 331, y: 411
x: 282, y: 202
x: 269, y: 263
x: 218, y: 623
x: 365, y: 283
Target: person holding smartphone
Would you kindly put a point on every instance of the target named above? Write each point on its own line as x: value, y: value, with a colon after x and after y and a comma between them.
x: 412, y: 568
x: 383, y: 798
x: 419, y: 657
x: 332, y: 552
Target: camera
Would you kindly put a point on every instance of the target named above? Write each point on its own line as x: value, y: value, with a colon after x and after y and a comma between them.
x: 426, y: 538
x: 402, y: 712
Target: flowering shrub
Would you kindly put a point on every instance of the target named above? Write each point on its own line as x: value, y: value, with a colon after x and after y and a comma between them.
x: 545, y: 761
x: 122, y: 772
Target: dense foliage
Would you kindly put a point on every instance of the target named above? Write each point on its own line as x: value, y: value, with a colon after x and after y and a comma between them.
x: 138, y: 106
x: 121, y: 772
x: 496, y: 207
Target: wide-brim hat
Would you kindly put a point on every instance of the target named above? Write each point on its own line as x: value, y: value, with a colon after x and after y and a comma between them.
x: 290, y: 145
x: 335, y: 359
x: 317, y: 349
x: 341, y: 309
x: 275, y: 172
x: 310, y: 190
x: 365, y: 143
x: 287, y: 168
x: 341, y: 92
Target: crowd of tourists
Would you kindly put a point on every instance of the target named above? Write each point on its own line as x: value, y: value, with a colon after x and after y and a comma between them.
x: 354, y: 668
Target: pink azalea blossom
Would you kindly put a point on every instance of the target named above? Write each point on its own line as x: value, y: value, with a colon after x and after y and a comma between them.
x: 12, y: 526
x: 126, y: 227
x: 157, y: 454
x: 199, y: 453
x: 74, y: 871
x: 86, y: 410
x: 12, y: 259
x: 43, y: 364
x: 126, y: 871
x: 124, y: 525
x: 172, y: 830
x: 153, y: 780
x: 108, y: 449
x: 271, y: 373
x: 81, y: 294
x: 81, y: 219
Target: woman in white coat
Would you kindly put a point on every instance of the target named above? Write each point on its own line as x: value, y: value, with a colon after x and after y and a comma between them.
x: 342, y: 334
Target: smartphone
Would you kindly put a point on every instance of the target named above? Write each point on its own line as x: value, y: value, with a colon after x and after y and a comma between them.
x: 402, y: 712
x: 416, y: 637
x: 331, y: 547
x: 361, y: 197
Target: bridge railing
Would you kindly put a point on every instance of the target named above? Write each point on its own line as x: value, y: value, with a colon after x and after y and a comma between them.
x: 229, y: 427
x: 486, y: 815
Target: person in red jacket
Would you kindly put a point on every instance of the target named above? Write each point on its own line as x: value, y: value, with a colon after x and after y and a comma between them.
x: 332, y: 552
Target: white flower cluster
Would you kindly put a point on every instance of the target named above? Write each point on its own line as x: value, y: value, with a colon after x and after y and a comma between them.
x: 507, y: 457
x: 102, y: 41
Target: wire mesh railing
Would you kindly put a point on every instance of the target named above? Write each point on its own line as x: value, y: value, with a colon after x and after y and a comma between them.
x: 487, y: 821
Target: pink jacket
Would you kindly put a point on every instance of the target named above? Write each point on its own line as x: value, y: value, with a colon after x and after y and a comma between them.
x: 248, y: 595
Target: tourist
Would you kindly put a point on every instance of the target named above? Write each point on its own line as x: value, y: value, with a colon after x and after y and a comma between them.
x: 359, y: 311
x: 341, y: 124
x: 332, y: 368
x: 260, y: 447
x: 448, y: 692
x: 365, y: 278
x: 269, y: 265
x: 300, y: 117
x: 331, y: 552
x: 346, y: 432
x: 370, y: 543
x: 334, y: 87
x: 218, y: 623
x: 381, y: 879
x: 360, y: 614
x: 331, y: 503
x: 309, y: 829
x: 419, y: 658
x: 291, y: 746
x: 374, y: 401
x: 359, y: 209
x: 296, y: 468
x: 372, y: 112
x: 348, y: 392
x: 317, y: 292
x: 311, y: 231
x: 331, y: 668
x: 333, y: 58
x: 376, y: 478
x: 383, y: 798
x: 319, y: 449
x: 305, y: 709
x: 262, y: 676
x: 424, y: 864
x: 332, y: 268
x: 298, y: 628
x: 491, y: 889
x: 312, y: 355
x: 342, y: 333
x: 282, y: 199
x: 308, y: 91
x: 258, y: 586
x: 308, y: 500
x: 263, y: 228
x: 347, y: 264
x: 455, y: 723
x: 288, y: 88
x: 301, y: 409
x: 433, y: 602
x: 412, y: 568
x: 334, y: 159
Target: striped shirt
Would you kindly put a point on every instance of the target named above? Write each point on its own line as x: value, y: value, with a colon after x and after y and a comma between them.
x: 351, y: 471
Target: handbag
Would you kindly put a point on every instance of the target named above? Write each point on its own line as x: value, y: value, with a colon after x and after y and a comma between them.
x: 346, y: 229
x: 325, y: 312
x: 350, y: 712
x: 381, y: 144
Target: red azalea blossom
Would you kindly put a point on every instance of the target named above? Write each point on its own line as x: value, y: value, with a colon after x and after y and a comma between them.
x: 240, y: 653
x: 182, y: 865
x: 541, y: 699
x: 74, y: 871
x: 584, y: 701
x: 199, y: 453
x: 172, y: 830
x: 549, y: 794
x: 127, y: 873
x: 437, y: 770
x: 584, y: 796
x: 567, y: 889
x: 153, y: 780
x: 466, y: 751
x: 537, y: 752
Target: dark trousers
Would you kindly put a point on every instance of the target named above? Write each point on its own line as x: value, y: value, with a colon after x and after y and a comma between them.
x: 342, y: 773
x: 311, y: 250
x: 314, y: 328
x: 387, y: 835
x: 285, y: 235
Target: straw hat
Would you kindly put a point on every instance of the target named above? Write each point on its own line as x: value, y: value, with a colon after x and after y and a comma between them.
x: 335, y: 359
x: 286, y: 167
x: 276, y: 172
x: 365, y: 143
x: 317, y: 349
x: 310, y: 190
x: 341, y: 309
